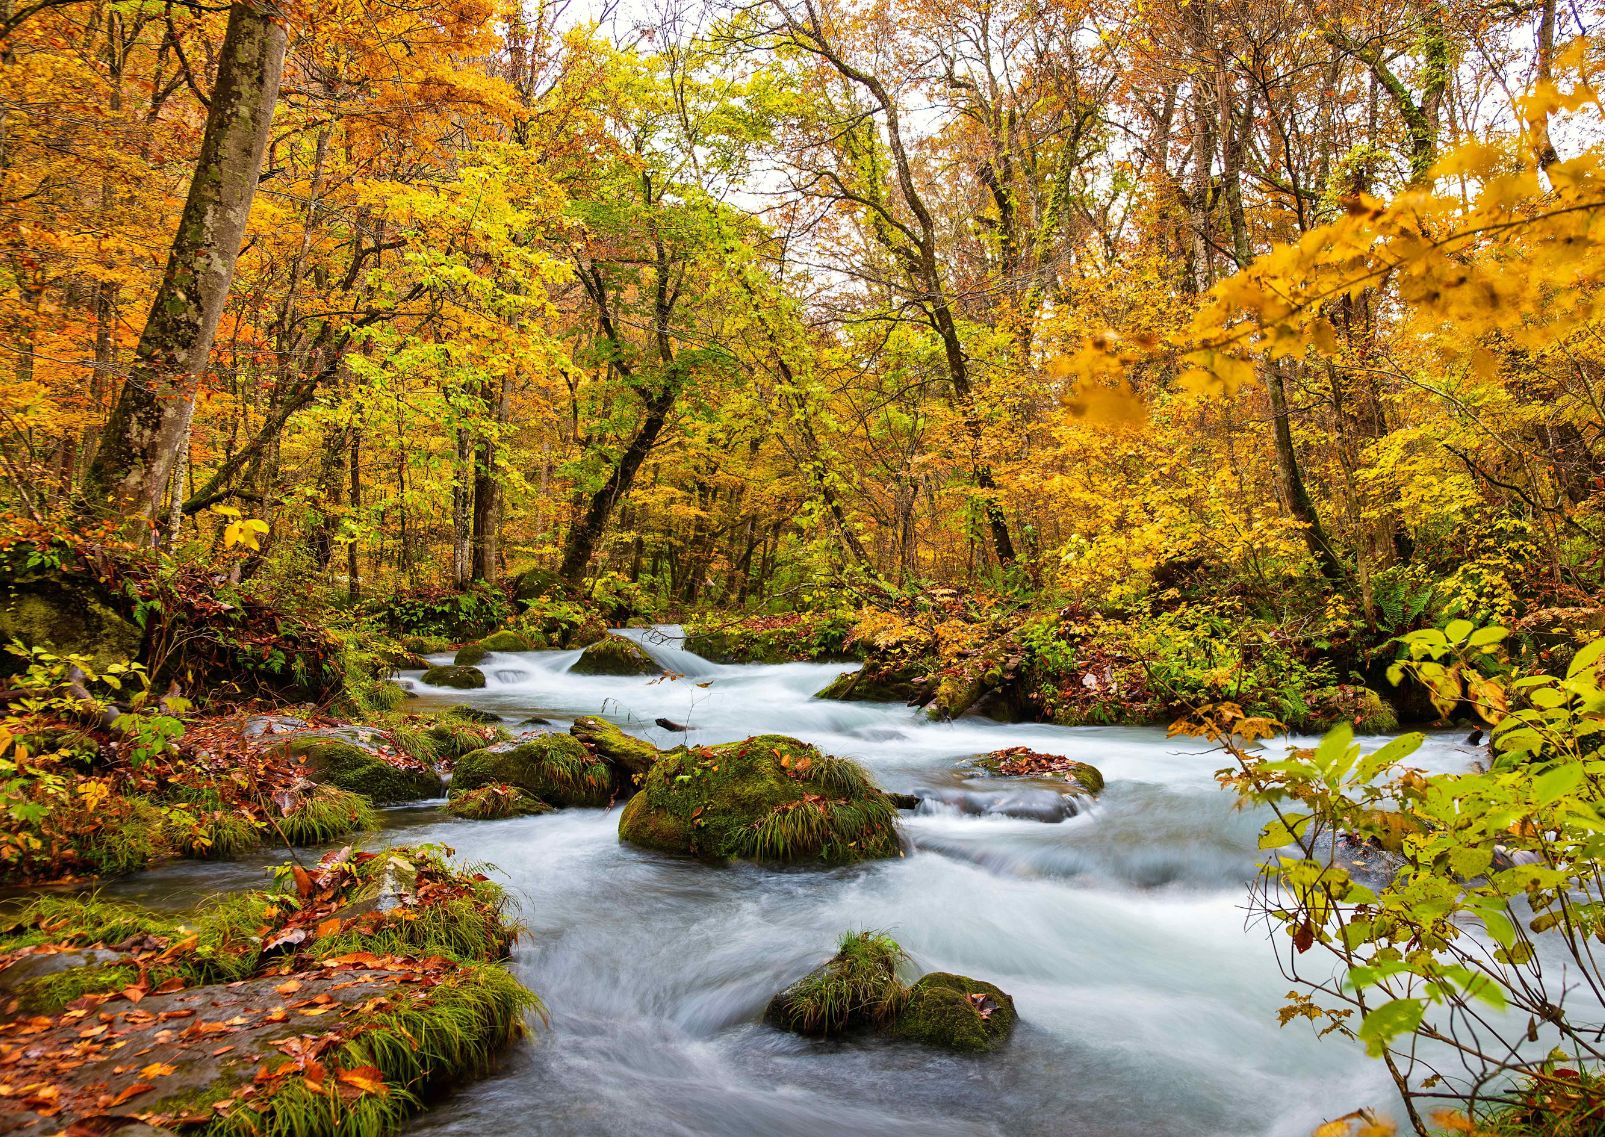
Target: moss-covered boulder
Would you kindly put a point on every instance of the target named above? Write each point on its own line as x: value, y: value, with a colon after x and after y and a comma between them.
x: 67, y: 614
x: 554, y: 768
x: 326, y: 813
x: 449, y: 740
x: 614, y: 655
x: 462, y: 678
x: 1023, y: 762
x: 628, y: 753
x: 955, y: 694
x: 494, y: 801
x: 336, y: 762
x: 424, y: 645
x: 770, y: 799
x: 506, y: 641
x: 955, y: 1012
x: 469, y: 654
x: 857, y: 989
x: 873, y: 684
x: 467, y: 712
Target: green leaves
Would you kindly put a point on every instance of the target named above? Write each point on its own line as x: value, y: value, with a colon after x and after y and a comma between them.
x: 1385, y: 1023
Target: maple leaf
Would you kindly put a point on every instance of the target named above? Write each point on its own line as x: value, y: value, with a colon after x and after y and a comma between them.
x: 368, y: 1079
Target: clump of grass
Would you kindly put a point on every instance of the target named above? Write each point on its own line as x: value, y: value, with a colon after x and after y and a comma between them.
x: 128, y: 834
x: 858, y: 988
x: 214, y: 834
x: 832, y: 831
x: 493, y: 802
x: 80, y: 921
x: 452, y: 1032
x: 450, y: 740
x: 553, y: 768
x: 328, y: 812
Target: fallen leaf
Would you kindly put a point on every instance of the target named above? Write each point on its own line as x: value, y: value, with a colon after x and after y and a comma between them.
x: 288, y: 987
x: 132, y: 1092
x: 368, y: 1079
x: 157, y: 1070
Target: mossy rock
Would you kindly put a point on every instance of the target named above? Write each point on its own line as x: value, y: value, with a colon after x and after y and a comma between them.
x: 955, y: 1012
x: 857, y: 989
x: 534, y: 583
x: 467, y: 712
x: 1020, y: 762
x: 614, y: 655
x: 954, y: 695
x: 67, y: 615
x: 506, y: 641
x: 327, y: 813
x: 423, y: 645
x: 769, y: 799
x: 334, y: 762
x: 469, y: 654
x: 627, y: 752
x: 494, y: 801
x: 1361, y: 707
x: 449, y: 741
x: 553, y: 768
x: 873, y: 686
x: 462, y: 678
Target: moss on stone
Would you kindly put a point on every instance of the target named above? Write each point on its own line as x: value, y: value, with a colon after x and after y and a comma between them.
x: 467, y: 712
x: 553, y: 768
x: 505, y: 641
x: 335, y: 762
x: 470, y: 654
x: 624, y: 751
x: 770, y: 799
x: 955, y: 1012
x: 449, y: 741
x: 69, y: 615
x: 614, y: 655
x: 588, y: 631
x: 856, y: 989
x: 494, y: 801
x: 423, y: 645
x: 954, y: 695
x: 462, y: 678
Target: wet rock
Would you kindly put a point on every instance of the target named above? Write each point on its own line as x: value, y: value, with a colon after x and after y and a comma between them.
x: 770, y: 799
x: 855, y: 990
x: 339, y: 762
x: 614, y: 655
x: 463, y: 678
x: 494, y: 801
x: 630, y: 754
x: 873, y: 684
x: 955, y: 1012
x: 506, y: 641
x: 259, y: 725
x: 1021, y: 762
x: 467, y: 712
x: 469, y: 654
x: 1043, y: 805
x: 534, y: 720
x: 904, y: 801
x: 69, y: 614
x: 672, y: 726
x: 552, y: 768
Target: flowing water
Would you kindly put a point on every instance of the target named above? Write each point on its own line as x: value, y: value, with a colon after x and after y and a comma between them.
x: 1145, y: 1005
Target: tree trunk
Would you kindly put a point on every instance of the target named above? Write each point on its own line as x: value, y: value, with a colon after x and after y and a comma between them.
x: 134, y: 462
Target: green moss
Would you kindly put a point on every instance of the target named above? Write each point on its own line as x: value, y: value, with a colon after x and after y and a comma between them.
x: 349, y: 767
x: 614, y: 655
x: 467, y: 712
x: 328, y: 812
x: 471, y: 924
x: 424, y: 645
x: 51, y: 993
x: 956, y: 1013
x: 856, y: 989
x: 506, y: 641
x: 386, y: 696
x: 469, y: 654
x: 493, y: 802
x: 462, y: 678
x: 1360, y: 707
x: 770, y: 799
x: 623, y: 750
x: 552, y: 768
x: 954, y: 696
x: 588, y: 631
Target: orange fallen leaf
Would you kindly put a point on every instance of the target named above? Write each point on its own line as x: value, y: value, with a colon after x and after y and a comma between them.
x: 368, y: 1079
x: 157, y: 1070
x: 133, y: 994
x: 288, y: 987
x: 132, y: 1092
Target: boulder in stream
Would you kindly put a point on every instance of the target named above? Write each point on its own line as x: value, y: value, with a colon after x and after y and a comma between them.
x: 770, y: 799
x: 955, y: 1012
x: 470, y: 654
x: 857, y: 989
x: 462, y: 678
x: 630, y: 754
x: 551, y: 768
x: 494, y: 801
x: 505, y: 640
x: 339, y: 762
x: 614, y: 655
x: 1023, y: 762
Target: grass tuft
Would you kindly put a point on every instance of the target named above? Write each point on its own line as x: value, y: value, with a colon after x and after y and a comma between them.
x: 327, y: 813
x: 858, y: 988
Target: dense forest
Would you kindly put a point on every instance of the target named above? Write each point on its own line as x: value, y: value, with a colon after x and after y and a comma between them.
x: 1221, y: 365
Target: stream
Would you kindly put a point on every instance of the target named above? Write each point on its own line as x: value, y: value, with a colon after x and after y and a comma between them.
x: 1145, y: 1005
